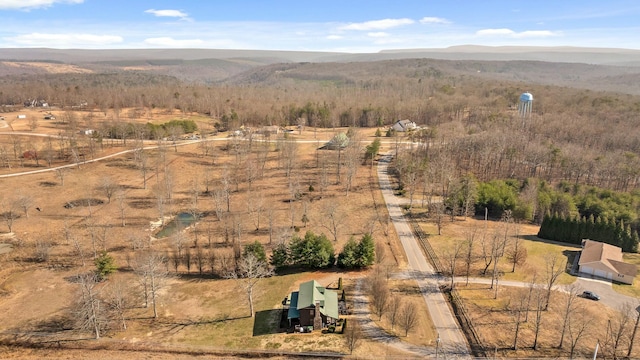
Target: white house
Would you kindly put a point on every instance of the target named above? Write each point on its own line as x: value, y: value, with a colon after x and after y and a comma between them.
x: 404, y: 125
x: 605, y: 261
x: 22, y: 116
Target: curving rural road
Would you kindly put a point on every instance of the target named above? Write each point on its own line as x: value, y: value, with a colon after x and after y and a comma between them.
x: 452, y: 340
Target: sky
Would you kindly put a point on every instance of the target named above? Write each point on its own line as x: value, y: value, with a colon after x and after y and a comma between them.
x: 353, y: 26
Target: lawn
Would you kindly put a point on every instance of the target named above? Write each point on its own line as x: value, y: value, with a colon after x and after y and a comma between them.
x: 537, y: 249
x: 634, y: 289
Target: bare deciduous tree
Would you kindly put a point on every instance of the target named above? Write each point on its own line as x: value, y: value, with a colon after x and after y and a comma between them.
x: 121, y: 196
x: 469, y: 257
x: 9, y: 213
x: 381, y: 252
x: 353, y: 335
x: 108, y: 187
x: 61, y: 173
x: 517, y: 254
x: 554, y: 267
x: 255, y: 207
x: 24, y: 202
x: 576, y: 328
x: 520, y: 306
x: 118, y: 300
x: 150, y: 266
x: 451, y: 256
x: 539, y: 302
x: 379, y: 294
x: 395, y: 304
x: 334, y: 219
x: 569, y: 308
x: 619, y: 328
x: 42, y: 250
x: 89, y: 311
x: 409, y: 317
x: 249, y: 272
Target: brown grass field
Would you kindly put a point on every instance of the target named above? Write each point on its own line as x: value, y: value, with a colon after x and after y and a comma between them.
x: 204, y: 313
x: 195, y: 311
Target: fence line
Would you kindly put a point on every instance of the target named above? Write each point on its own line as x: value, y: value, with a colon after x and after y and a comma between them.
x: 463, y: 318
x: 426, y: 246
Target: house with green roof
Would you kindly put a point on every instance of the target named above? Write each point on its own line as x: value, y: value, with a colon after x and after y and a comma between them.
x: 312, y: 305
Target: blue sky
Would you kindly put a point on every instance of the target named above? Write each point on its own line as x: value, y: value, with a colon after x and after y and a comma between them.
x: 319, y: 25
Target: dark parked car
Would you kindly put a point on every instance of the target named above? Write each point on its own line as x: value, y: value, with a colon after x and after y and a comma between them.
x: 590, y: 295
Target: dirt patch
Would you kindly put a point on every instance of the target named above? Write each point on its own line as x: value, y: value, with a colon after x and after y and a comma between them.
x: 82, y: 202
x: 5, y: 248
x: 47, y: 183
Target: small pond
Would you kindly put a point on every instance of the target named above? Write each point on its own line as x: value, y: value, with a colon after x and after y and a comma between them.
x: 181, y: 221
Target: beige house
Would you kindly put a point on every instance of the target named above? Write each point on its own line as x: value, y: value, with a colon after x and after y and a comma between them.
x: 605, y: 261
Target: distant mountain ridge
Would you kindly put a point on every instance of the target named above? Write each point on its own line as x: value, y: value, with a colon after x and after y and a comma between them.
x: 608, y: 56
x: 616, y: 70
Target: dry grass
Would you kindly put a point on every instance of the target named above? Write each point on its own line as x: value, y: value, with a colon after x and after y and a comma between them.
x: 424, y: 334
x: 192, y: 307
x: 495, y: 322
x: 537, y: 249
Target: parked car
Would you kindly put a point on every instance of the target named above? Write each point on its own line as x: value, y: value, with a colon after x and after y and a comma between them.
x: 590, y: 295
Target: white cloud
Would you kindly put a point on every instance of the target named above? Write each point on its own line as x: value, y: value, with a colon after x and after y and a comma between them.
x: 65, y: 40
x: 378, y: 24
x: 434, y: 20
x: 171, y: 42
x: 168, y: 13
x: 379, y: 34
x: 518, y: 35
x: 493, y: 32
x: 334, y: 37
x: 536, y: 33
x: 33, y: 4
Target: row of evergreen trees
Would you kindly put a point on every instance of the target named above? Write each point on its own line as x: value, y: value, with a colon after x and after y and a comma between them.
x: 316, y: 251
x: 574, y: 229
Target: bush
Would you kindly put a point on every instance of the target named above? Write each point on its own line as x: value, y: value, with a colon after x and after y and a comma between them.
x: 256, y: 249
x: 313, y: 251
x: 105, y: 265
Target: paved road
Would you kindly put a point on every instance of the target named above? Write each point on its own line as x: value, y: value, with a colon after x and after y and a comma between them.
x: 452, y: 340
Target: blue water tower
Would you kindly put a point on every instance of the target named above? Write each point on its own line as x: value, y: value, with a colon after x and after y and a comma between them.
x: 525, y: 105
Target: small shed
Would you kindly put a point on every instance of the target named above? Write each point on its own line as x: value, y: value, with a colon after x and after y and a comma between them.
x: 22, y: 116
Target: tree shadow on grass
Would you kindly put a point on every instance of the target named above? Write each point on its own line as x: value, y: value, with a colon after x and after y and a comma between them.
x: 553, y: 242
x: 268, y: 322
